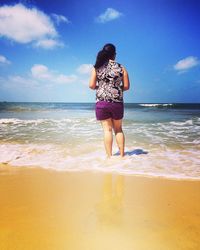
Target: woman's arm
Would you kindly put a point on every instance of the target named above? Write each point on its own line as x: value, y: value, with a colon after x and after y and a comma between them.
x: 125, y: 80
x: 93, y: 79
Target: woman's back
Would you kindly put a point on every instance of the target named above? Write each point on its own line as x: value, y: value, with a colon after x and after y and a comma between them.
x: 109, y: 82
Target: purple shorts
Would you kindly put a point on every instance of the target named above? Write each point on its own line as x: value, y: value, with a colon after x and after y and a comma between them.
x: 106, y: 110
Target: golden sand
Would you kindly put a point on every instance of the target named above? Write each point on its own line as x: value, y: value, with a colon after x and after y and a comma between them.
x: 44, y: 209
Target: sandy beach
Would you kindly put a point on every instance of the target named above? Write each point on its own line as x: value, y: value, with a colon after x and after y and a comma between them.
x: 47, y: 209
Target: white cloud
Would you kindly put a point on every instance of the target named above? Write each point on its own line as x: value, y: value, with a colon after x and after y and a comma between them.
x: 48, y: 44
x: 65, y: 78
x: 40, y: 77
x: 60, y: 19
x: 186, y: 64
x: 41, y: 73
x: 109, y: 15
x: 85, y: 68
x: 4, y: 60
x: 27, y: 25
x: 17, y: 79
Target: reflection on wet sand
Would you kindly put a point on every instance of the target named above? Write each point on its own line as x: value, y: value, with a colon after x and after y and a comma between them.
x: 110, y: 208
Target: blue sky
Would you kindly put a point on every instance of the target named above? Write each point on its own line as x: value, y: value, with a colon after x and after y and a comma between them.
x: 47, y: 48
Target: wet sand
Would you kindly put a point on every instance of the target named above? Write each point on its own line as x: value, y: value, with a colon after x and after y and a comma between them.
x: 44, y: 209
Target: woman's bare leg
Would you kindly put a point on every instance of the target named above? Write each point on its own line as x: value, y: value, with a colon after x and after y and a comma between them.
x: 120, y: 139
x: 108, y: 135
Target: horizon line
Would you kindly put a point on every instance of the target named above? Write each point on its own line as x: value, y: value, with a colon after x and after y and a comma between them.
x: 95, y: 102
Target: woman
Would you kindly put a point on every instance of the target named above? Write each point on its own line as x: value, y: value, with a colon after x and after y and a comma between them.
x: 110, y: 79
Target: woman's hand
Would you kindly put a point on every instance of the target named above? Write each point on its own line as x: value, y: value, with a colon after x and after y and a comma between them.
x: 93, y: 79
x: 125, y: 80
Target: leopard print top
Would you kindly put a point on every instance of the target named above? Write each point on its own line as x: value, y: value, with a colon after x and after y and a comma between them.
x: 109, y: 85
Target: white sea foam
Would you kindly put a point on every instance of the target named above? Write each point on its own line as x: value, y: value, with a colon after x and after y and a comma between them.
x: 164, y: 162
x: 188, y: 122
x: 156, y: 104
x: 14, y: 121
x: 80, y: 130
x: 75, y: 144
x: 196, y: 141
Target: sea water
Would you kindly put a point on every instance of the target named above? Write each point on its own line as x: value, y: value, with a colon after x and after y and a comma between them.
x: 162, y: 140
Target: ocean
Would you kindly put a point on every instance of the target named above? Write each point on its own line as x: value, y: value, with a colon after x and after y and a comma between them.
x: 162, y: 140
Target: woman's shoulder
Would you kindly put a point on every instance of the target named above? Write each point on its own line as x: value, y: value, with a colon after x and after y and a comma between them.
x: 120, y: 65
x: 113, y: 62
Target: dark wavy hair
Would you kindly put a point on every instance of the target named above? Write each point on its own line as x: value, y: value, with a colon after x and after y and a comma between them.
x: 103, y: 56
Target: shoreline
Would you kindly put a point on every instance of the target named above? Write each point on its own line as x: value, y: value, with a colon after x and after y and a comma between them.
x: 7, y: 167
x: 47, y: 209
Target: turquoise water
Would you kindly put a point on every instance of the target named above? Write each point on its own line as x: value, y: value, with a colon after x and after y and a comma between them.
x: 161, y: 139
